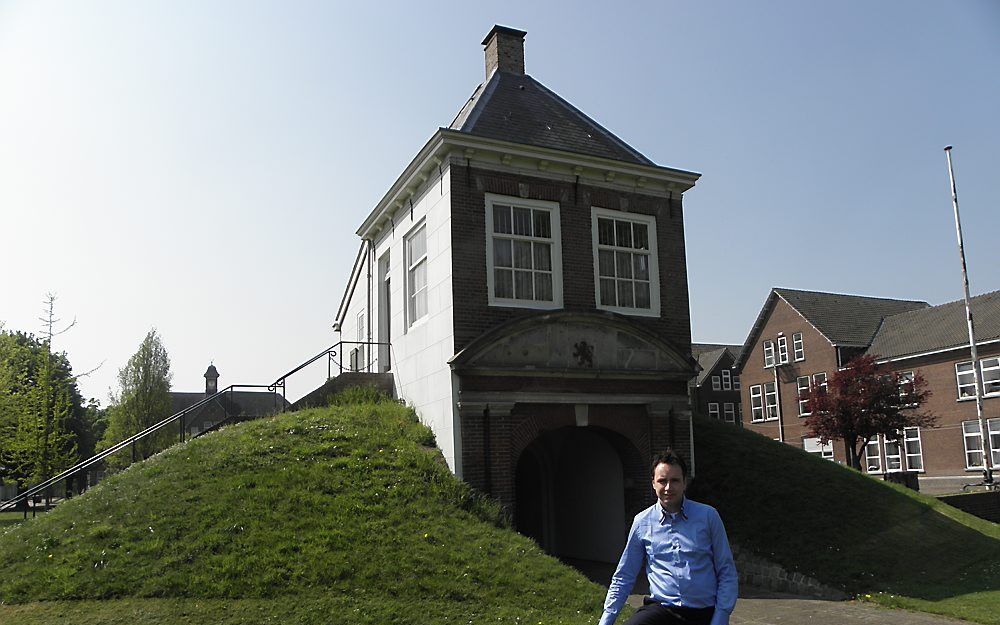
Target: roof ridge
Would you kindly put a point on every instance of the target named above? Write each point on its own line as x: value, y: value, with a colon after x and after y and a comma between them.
x: 884, y: 299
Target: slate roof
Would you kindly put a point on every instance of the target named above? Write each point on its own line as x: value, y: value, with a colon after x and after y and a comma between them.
x: 519, y: 109
x: 846, y: 320
x: 937, y: 328
x: 246, y: 403
x: 708, y: 355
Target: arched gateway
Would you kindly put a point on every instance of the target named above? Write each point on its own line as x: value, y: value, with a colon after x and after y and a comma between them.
x: 559, y: 415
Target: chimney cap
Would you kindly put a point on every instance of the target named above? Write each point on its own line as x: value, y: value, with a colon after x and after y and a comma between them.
x: 212, y: 372
x: 506, y: 30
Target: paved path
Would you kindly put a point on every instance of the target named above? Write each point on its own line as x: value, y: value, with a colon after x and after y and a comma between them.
x: 757, y: 607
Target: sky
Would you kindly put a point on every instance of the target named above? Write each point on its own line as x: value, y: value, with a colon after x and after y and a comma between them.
x: 201, y: 167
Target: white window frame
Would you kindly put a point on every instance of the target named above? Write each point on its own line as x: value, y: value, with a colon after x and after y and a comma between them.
x: 727, y: 380
x: 910, y: 435
x: 412, y: 265
x: 813, y: 446
x: 803, y: 389
x: 782, y: 350
x: 768, y: 354
x: 736, y: 382
x: 649, y: 221
x: 555, y: 252
x: 716, y: 383
x: 756, y: 404
x: 713, y: 410
x: 820, y: 382
x: 770, y: 410
x: 970, y: 432
x: 969, y: 387
x: 798, y: 347
x: 905, y: 378
x: 989, y: 369
x: 873, y: 456
x: 729, y: 412
x: 893, y: 462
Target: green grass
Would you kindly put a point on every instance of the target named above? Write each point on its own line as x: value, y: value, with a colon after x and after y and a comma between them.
x: 10, y: 518
x: 327, y: 515
x: 846, y: 529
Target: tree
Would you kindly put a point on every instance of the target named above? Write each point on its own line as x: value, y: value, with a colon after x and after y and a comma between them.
x: 863, y: 402
x: 143, y: 399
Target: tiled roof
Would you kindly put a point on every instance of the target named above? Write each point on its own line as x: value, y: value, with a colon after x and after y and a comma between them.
x: 519, y: 109
x: 708, y: 354
x: 846, y: 320
x: 938, y: 327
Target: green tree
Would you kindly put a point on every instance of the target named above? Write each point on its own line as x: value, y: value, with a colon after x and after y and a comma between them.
x: 143, y: 399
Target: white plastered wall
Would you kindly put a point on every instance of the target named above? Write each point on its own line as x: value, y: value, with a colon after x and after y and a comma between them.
x: 421, y: 350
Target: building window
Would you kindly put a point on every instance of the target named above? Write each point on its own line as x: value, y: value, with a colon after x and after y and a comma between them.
x: 727, y: 380
x: 991, y: 375
x: 893, y: 456
x: 416, y: 275
x: 771, y: 400
x: 523, y: 253
x: 803, y: 390
x: 813, y: 446
x: 768, y: 354
x: 966, y: 380
x: 974, y: 444
x: 713, y: 410
x: 912, y: 449
x: 782, y: 350
x: 627, y: 276
x: 729, y: 412
x: 798, y: 347
x: 756, y: 403
x: 736, y: 382
x: 873, y: 461
x: 819, y: 382
x: 716, y: 383
x: 906, y: 388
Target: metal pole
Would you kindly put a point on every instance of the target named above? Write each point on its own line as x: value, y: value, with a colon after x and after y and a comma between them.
x: 984, y: 441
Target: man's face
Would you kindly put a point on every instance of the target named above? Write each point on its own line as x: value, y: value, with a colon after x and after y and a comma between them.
x: 669, y: 485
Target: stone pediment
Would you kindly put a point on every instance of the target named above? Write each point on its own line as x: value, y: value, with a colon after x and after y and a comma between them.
x: 587, y: 344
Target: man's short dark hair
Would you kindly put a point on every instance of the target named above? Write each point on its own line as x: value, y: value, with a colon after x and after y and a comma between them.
x: 669, y: 456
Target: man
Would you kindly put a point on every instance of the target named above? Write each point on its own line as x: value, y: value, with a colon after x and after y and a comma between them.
x: 692, y: 577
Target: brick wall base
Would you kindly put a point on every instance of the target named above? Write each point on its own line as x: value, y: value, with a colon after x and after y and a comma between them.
x: 760, y: 573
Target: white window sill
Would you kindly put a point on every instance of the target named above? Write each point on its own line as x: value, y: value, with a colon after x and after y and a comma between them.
x: 514, y: 303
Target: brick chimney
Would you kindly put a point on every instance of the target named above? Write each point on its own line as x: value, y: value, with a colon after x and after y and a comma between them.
x: 504, y: 51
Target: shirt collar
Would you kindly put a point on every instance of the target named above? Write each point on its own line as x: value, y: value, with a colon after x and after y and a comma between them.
x: 664, y: 514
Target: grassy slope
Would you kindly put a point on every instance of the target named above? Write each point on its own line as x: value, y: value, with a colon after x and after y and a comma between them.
x: 330, y: 515
x: 846, y: 529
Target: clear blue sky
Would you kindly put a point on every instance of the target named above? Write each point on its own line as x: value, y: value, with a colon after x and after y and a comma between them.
x: 201, y: 167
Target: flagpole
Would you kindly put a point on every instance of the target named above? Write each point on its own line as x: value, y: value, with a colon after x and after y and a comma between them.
x: 987, y: 452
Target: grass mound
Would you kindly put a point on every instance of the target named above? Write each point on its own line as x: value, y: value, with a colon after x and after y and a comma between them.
x: 846, y: 529
x: 339, y: 514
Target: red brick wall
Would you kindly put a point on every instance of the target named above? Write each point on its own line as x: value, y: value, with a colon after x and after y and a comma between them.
x: 703, y: 395
x: 820, y: 357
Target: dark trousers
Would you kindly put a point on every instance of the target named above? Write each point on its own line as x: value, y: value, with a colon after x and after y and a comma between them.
x: 653, y: 613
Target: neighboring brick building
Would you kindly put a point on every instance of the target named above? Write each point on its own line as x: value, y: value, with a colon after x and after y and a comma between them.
x: 801, y: 338
x: 715, y: 393
x: 528, y: 269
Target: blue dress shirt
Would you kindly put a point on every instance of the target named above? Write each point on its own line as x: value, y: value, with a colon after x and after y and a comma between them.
x: 688, y: 561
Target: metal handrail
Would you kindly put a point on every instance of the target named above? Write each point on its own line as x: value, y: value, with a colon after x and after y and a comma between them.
x: 330, y: 352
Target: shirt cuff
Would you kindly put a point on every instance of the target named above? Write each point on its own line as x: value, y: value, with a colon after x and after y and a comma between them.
x: 721, y: 617
x: 608, y: 618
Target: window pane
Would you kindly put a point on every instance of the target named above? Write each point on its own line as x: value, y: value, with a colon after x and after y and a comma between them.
x: 605, y: 231
x: 642, y: 295
x: 543, y: 258
x: 503, y: 283
x: 522, y: 285
x: 542, y: 225
x: 543, y: 287
x: 418, y: 245
x: 522, y: 254
x: 608, y: 292
x: 606, y: 263
x: 623, y: 234
x: 419, y: 276
x: 624, y: 264
x: 625, y: 294
x: 641, y: 241
x: 420, y: 302
x: 641, y: 264
x: 522, y: 221
x: 501, y: 253
x: 501, y: 219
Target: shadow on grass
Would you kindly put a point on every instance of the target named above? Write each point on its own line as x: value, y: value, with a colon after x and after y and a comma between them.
x: 837, y: 525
